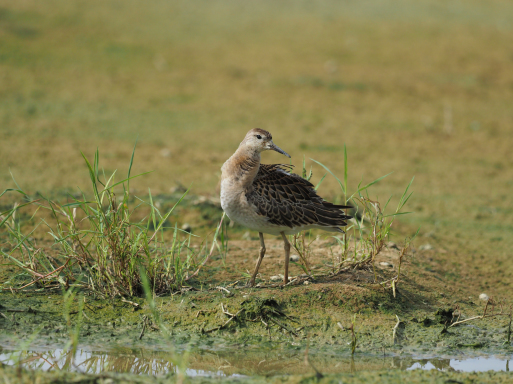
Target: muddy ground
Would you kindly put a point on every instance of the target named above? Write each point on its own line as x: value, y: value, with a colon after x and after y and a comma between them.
x: 419, y: 89
x: 273, y: 329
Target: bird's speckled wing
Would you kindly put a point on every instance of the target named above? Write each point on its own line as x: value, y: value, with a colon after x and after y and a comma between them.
x: 289, y: 200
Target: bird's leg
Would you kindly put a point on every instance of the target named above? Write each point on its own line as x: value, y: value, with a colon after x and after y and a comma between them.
x: 287, y: 256
x: 259, y: 261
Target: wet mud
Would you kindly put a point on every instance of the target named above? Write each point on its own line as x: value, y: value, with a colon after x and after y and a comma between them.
x: 286, y: 334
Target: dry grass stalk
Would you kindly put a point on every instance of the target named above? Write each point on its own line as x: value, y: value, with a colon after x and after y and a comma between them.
x: 492, y: 303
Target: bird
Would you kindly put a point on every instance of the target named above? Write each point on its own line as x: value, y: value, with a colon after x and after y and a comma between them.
x: 270, y: 199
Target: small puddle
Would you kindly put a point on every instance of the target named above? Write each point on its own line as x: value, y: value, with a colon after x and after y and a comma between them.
x: 158, y: 363
x: 477, y: 364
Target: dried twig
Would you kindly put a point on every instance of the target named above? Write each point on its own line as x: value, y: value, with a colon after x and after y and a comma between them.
x: 224, y: 325
x: 226, y: 312
x: 225, y: 290
x: 395, y: 280
x: 478, y: 318
x: 484, y: 315
x: 45, y: 276
x: 137, y: 306
x: 298, y: 280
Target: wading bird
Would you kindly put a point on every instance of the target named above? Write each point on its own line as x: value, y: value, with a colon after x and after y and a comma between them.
x: 269, y: 199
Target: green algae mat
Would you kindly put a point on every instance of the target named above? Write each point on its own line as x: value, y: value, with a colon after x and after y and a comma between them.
x: 278, y: 335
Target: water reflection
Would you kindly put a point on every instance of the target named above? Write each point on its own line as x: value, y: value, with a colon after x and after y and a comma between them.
x: 479, y: 364
x: 129, y: 361
x: 157, y: 363
x: 434, y: 363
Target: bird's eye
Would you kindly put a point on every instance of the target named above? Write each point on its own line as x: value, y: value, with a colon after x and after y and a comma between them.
x: 258, y: 137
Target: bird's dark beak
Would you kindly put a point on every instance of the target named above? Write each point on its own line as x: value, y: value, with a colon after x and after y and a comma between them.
x: 274, y: 147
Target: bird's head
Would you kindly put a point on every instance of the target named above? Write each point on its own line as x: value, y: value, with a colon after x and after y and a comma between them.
x: 258, y: 140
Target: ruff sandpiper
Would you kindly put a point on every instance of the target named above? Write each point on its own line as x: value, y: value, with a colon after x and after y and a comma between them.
x: 269, y: 199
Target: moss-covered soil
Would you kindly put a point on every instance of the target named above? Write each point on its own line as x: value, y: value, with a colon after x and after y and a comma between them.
x: 273, y: 327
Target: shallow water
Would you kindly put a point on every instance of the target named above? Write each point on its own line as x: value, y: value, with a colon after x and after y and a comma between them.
x: 477, y: 364
x: 158, y: 363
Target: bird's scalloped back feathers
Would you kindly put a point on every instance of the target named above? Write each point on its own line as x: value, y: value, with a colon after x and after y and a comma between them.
x: 289, y: 200
x: 267, y: 169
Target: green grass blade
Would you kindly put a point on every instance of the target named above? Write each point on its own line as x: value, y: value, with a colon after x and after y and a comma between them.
x: 345, y: 174
x: 10, y: 212
x: 15, y: 183
x: 109, y: 180
x: 161, y: 223
x: 152, y: 210
x: 16, y: 261
x: 397, y: 214
x: 320, y: 182
x: 13, y: 190
x: 360, y: 189
x: 386, y: 204
x: 374, y: 182
x: 92, y: 176
x: 130, y: 164
x: 122, y: 181
x: 332, y: 174
x: 403, y: 200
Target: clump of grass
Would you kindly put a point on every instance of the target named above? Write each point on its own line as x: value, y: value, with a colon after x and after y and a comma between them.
x: 392, y: 283
x: 302, y: 246
x: 100, y: 239
x: 367, y: 233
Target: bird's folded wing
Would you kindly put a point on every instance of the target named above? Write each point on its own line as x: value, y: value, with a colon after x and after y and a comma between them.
x: 289, y: 200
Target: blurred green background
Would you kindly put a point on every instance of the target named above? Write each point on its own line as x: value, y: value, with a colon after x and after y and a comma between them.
x: 421, y: 88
